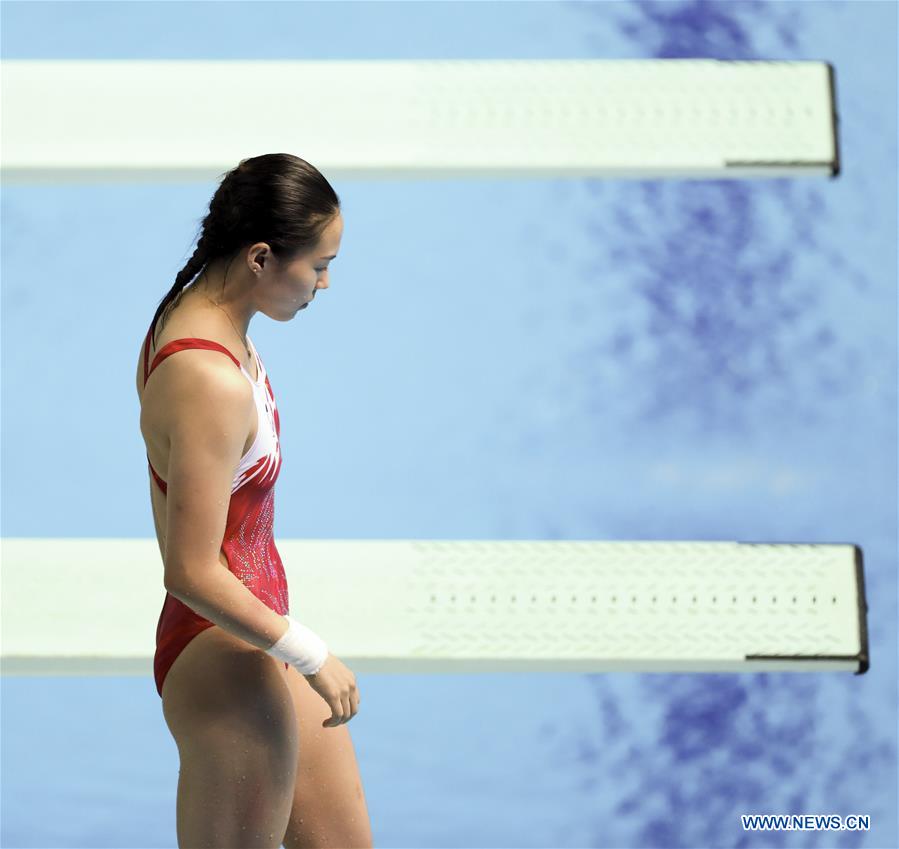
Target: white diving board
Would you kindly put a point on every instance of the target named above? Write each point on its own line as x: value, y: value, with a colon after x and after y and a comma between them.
x: 134, y: 120
x: 90, y: 606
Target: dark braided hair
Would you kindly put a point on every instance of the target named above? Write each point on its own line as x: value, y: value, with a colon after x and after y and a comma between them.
x: 275, y: 198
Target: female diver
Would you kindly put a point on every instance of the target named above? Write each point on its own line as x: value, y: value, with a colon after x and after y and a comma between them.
x: 255, y: 703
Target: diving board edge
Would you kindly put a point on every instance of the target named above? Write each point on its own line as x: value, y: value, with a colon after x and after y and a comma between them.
x: 863, y: 656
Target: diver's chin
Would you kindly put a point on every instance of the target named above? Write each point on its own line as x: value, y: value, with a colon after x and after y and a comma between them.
x: 299, y: 307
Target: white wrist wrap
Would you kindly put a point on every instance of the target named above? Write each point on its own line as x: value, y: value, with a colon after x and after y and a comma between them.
x: 301, y: 648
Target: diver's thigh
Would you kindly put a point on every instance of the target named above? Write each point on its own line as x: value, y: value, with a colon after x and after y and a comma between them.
x: 231, y: 714
x: 216, y: 674
x: 329, y: 807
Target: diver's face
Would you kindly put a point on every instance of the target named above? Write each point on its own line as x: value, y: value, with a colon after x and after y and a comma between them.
x: 294, y: 284
x: 294, y: 287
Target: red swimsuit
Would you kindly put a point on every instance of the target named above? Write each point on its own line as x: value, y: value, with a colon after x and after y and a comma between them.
x: 248, y: 544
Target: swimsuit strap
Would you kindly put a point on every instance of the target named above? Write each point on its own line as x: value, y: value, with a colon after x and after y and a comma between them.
x: 181, y: 345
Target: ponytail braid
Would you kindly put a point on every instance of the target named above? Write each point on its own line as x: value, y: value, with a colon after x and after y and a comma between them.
x: 194, y: 266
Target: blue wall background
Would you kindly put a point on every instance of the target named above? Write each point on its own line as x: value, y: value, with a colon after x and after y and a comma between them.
x: 523, y: 359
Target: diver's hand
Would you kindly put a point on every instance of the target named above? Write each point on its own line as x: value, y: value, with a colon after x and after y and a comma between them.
x: 336, y: 684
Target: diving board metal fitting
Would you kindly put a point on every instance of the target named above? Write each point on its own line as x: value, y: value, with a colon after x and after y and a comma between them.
x: 90, y: 606
x: 134, y: 120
